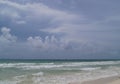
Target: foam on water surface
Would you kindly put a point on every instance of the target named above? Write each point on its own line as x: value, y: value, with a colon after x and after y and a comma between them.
x: 56, y: 72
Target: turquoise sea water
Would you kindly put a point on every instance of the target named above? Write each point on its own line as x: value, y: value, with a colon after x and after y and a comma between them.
x: 55, y: 71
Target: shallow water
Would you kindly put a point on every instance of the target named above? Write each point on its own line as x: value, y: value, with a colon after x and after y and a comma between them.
x: 55, y: 72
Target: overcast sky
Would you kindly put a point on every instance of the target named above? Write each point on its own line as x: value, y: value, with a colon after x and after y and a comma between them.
x: 60, y: 29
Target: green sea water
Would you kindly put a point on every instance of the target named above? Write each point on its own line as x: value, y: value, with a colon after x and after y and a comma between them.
x: 55, y: 71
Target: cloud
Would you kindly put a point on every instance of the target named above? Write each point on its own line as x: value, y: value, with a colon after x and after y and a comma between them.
x: 44, y: 18
x: 20, y: 22
x: 7, y: 42
x: 50, y: 43
x: 6, y: 36
x: 40, y: 27
x: 37, y: 10
x: 36, y: 17
x: 33, y: 44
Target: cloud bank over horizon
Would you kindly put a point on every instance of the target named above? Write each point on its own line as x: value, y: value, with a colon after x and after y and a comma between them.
x: 74, y: 29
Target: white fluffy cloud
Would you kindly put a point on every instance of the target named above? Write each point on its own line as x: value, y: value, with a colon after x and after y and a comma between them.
x: 48, y: 43
x: 6, y: 36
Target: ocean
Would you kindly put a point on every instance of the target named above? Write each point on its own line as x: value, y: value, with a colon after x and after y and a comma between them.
x: 55, y: 71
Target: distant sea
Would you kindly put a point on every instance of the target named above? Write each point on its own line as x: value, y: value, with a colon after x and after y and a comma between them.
x: 55, y: 71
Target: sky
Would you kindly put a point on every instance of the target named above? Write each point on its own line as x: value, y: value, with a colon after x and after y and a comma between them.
x: 59, y: 29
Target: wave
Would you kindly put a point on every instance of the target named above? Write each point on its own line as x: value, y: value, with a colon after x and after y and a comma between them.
x: 67, y: 65
x: 91, y: 63
x: 90, y: 68
x: 88, y: 73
